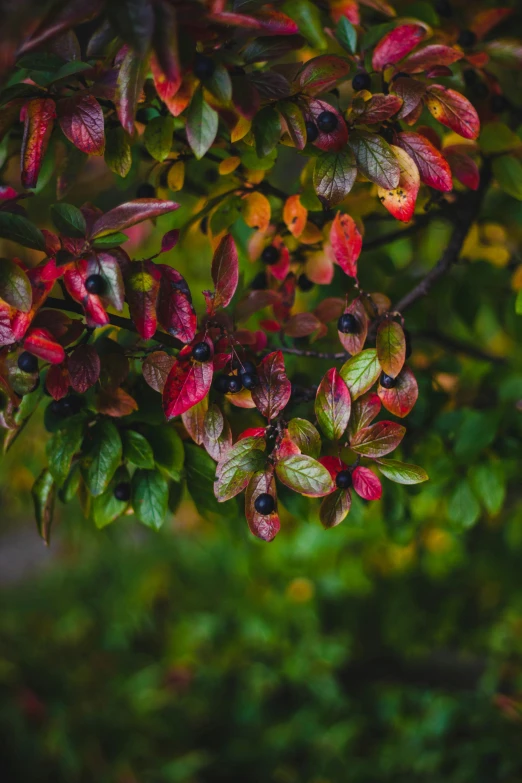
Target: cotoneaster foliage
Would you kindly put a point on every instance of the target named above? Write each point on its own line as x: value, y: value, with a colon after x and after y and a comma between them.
x: 364, y: 101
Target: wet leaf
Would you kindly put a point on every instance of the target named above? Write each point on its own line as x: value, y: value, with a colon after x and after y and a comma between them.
x: 333, y: 405
x: 273, y: 391
x: 391, y: 347
x: 378, y: 439
x: 360, y: 372
x: 305, y: 475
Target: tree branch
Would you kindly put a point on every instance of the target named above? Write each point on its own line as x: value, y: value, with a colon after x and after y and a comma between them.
x: 70, y: 306
x: 459, y: 346
x: 311, y: 354
x: 419, y: 223
x: 469, y: 210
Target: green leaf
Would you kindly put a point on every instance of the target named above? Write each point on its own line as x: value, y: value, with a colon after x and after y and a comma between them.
x: 375, y: 158
x: 305, y: 475
x: 391, y: 347
x: 200, y: 471
x: 295, y: 122
x: 202, y: 124
x: 360, y: 372
x: 234, y: 472
x: 463, y: 507
x: 158, y: 137
x: 334, y: 176
x: 104, y: 456
x: 333, y: 405
x: 18, y: 229
x: 69, y: 69
x: 118, y: 153
x: 518, y: 303
x: 21, y: 90
x: 335, y: 508
x: 378, y: 439
x: 489, y: 484
x: 40, y: 61
x: 62, y: 447
x: 71, y: 485
x: 507, y: 170
x: 150, y: 497
x: 106, y: 508
x: 346, y: 35
x: 267, y: 130
x: 137, y: 449
x: 303, y: 433
x: 167, y: 448
x: 250, y: 160
x: 308, y: 19
x: 15, y: 288
x: 68, y: 220
x: 401, y: 472
x: 220, y: 84
x: 497, y: 137
x: 111, y: 240
x: 43, y: 493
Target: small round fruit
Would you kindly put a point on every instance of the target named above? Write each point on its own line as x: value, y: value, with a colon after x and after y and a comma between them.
x: 67, y: 406
x: 204, y: 66
x: 259, y: 283
x: 343, y: 480
x: 347, y: 324
x: 95, y: 284
x: 221, y: 383
x: 467, y: 38
x: 327, y: 121
x: 250, y: 380
x: 146, y: 190
x: 386, y: 381
x: 304, y: 283
x: 201, y: 352
x: 122, y: 491
x: 264, y: 504
x: 247, y: 367
x: 27, y: 362
x: 270, y: 255
x: 311, y: 132
x: 361, y: 81
x: 235, y: 384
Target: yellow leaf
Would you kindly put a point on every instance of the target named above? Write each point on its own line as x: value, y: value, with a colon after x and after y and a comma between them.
x: 176, y: 176
x: 229, y: 165
x: 295, y: 215
x: 311, y: 234
x: 256, y: 211
x: 240, y: 130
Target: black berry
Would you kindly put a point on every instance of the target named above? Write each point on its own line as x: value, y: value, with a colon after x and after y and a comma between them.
x: 247, y: 367
x: 311, y: 132
x: 498, y: 104
x: 95, y: 284
x: 250, y: 380
x: 235, y: 384
x: 327, y: 121
x: 146, y: 190
x: 264, y: 504
x: 221, y: 383
x: 343, y: 480
x: 204, y: 66
x: 361, y: 81
x: 259, y: 282
x: 201, y: 352
x: 270, y: 255
x: 122, y: 491
x: 443, y: 8
x: 27, y: 362
x: 386, y: 381
x: 467, y: 38
x: 304, y: 283
x: 68, y: 406
x: 348, y: 324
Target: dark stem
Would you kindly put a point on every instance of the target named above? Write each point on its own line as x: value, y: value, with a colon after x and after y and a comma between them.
x: 116, y: 320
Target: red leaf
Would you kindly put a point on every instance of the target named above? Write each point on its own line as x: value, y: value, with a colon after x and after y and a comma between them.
x: 175, y: 311
x: 81, y: 120
x: 273, y: 390
x: 166, y: 84
x: 400, y: 201
x: 433, y: 168
x: 84, y: 368
x: 299, y: 325
x: 115, y: 403
x: 264, y: 526
x: 7, y: 336
x: 366, y: 484
x: 142, y: 284
x: 333, y: 405
x: 40, y: 342
x: 333, y: 465
x: 378, y: 440
x: 225, y: 271
x: 272, y: 22
x: 411, y: 92
x: 401, y: 399
x: 364, y: 411
x: 354, y: 343
x: 170, y: 240
x: 74, y: 279
x: 57, y: 381
x: 429, y: 57
x: 336, y: 139
x: 397, y: 44
x: 187, y: 384
x: 287, y: 292
x: 38, y: 126
x: 130, y: 213
x: 378, y: 108
x: 453, y: 110
x: 156, y: 368
x: 463, y: 168
x: 252, y: 432
x: 280, y: 269
x: 346, y: 242
x: 130, y: 82
x: 321, y: 73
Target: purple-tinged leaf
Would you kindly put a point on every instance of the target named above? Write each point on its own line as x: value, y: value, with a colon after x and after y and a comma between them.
x: 130, y: 213
x: 378, y: 439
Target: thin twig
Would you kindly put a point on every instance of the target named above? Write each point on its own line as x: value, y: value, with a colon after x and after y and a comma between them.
x: 459, y: 346
x: 115, y: 320
x: 467, y: 211
x: 307, y: 353
x: 419, y: 223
